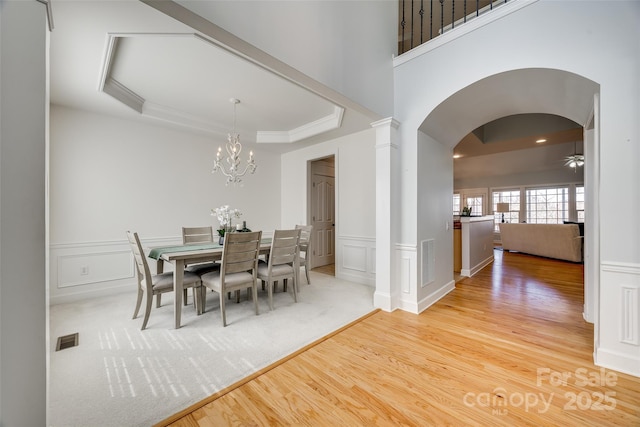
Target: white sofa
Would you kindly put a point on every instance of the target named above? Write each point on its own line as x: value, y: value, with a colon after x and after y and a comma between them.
x: 560, y: 241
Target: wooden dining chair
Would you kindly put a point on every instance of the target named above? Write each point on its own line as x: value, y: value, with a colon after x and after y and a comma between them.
x: 238, y: 269
x: 306, y: 232
x: 195, y: 236
x: 157, y: 284
x: 282, y: 263
x: 198, y: 235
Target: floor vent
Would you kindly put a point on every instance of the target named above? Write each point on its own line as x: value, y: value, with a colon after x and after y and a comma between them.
x: 67, y: 341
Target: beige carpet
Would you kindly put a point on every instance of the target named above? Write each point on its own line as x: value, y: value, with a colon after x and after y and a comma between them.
x: 121, y: 376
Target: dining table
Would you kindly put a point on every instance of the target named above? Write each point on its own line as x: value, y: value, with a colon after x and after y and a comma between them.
x: 181, y: 255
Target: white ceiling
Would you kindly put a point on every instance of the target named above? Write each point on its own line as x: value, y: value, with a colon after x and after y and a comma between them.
x: 509, y: 145
x: 126, y: 59
x: 519, y: 132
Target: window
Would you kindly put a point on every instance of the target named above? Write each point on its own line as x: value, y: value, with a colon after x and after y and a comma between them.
x: 456, y: 204
x: 580, y: 203
x: 475, y: 203
x: 506, y: 196
x: 474, y: 198
x: 547, y: 205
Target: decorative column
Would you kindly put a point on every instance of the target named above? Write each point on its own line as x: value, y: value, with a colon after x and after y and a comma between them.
x: 387, y: 205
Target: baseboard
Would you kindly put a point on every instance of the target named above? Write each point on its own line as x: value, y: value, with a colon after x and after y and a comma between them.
x: 473, y: 270
x: 356, y: 278
x: 95, y: 293
x: 624, y: 363
x: 382, y: 301
x: 436, y: 296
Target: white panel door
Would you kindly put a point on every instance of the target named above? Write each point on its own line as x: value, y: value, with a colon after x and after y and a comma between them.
x: 323, y: 213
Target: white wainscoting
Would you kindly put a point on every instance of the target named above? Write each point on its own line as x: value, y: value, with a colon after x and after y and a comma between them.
x: 407, y: 262
x: 83, y: 269
x: 91, y: 269
x: 620, y: 303
x: 411, y: 293
x: 356, y: 259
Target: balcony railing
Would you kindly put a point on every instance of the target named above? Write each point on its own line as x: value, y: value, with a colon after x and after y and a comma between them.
x: 423, y: 20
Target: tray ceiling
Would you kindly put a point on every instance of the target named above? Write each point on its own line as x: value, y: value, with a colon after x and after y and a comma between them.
x: 148, y: 66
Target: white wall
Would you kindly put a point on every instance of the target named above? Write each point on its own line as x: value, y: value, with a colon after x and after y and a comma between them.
x: 23, y: 316
x: 596, y: 40
x: 110, y: 175
x: 346, y: 45
x: 477, y: 243
x: 355, y: 199
x: 435, y: 179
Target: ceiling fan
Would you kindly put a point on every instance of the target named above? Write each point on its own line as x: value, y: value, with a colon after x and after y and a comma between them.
x: 575, y: 160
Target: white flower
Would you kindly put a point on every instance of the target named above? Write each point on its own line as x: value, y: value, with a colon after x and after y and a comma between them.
x: 225, y: 215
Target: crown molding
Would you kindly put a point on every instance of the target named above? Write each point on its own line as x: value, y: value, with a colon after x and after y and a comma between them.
x: 322, y: 125
x: 177, y: 117
x: 110, y: 86
x: 47, y: 4
x: 123, y: 94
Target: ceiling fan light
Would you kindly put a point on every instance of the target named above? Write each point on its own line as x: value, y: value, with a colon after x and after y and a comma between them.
x: 574, y: 161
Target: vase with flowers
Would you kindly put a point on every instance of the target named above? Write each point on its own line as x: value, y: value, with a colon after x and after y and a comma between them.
x: 225, y: 216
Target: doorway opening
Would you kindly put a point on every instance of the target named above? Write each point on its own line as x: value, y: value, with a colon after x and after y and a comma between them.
x: 321, y: 214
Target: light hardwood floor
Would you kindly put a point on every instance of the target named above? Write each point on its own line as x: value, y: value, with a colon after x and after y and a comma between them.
x: 329, y: 269
x: 506, y: 347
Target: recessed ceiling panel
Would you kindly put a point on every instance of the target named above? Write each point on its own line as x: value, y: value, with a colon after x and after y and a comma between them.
x: 193, y: 78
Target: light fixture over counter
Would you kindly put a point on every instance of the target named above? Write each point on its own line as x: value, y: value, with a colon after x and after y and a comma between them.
x: 231, y: 167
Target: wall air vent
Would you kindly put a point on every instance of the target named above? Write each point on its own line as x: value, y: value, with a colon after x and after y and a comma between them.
x: 428, y: 262
x: 67, y: 341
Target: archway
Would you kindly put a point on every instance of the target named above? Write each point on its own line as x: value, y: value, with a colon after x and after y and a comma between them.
x: 532, y: 90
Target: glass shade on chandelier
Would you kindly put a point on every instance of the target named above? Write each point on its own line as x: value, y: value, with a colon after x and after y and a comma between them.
x: 231, y: 164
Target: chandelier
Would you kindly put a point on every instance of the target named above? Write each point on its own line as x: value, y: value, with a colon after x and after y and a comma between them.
x: 230, y: 166
x: 575, y: 160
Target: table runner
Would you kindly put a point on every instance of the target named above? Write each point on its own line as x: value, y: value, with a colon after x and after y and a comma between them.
x: 156, y: 253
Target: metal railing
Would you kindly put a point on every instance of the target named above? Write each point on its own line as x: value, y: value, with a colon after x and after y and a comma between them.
x: 423, y: 20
